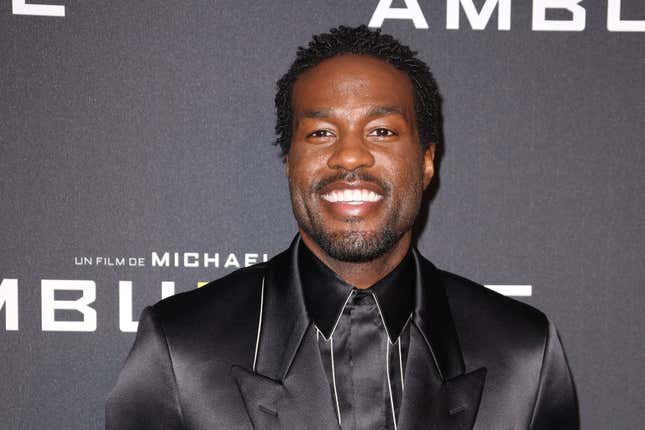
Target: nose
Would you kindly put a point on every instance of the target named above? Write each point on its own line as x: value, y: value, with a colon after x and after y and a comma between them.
x: 350, y: 153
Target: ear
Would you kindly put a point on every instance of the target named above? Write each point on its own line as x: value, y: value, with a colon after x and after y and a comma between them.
x: 286, y: 165
x: 428, y: 164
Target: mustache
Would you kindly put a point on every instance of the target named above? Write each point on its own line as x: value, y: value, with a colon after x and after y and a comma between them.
x: 353, y: 176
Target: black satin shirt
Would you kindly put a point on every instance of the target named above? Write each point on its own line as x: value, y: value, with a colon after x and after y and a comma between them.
x: 363, y: 336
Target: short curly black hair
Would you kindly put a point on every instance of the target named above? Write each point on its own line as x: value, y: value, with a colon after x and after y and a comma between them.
x: 362, y: 41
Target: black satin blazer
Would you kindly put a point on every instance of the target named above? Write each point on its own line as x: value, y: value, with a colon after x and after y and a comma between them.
x: 241, y: 353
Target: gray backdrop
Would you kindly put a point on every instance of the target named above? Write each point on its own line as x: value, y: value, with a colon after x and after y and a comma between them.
x: 137, y: 127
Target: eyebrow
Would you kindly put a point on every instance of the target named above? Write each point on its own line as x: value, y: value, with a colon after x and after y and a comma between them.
x: 374, y: 111
x: 321, y: 113
x: 385, y: 110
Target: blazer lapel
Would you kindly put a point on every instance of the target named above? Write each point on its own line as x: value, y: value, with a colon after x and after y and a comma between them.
x: 438, y: 393
x: 288, y: 387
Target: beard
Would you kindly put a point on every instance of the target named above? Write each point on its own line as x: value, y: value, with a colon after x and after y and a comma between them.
x: 353, y: 246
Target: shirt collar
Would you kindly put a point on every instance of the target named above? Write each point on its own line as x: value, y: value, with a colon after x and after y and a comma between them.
x: 325, y: 294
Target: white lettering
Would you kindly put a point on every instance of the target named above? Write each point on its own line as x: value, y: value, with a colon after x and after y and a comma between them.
x: 50, y: 304
x: 214, y: 259
x: 126, y: 323
x: 160, y: 262
x: 82, y: 261
x: 9, y: 300
x: 615, y: 23
x: 191, y: 259
x: 411, y: 11
x: 231, y: 260
x: 167, y: 289
x: 479, y: 20
x: 540, y: 23
x: 250, y: 259
x: 19, y: 7
x: 136, y: 262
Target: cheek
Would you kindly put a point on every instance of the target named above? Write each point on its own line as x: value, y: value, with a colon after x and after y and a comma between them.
x: 304, y: 168
x: 295, y: 165
x: 404, y: 172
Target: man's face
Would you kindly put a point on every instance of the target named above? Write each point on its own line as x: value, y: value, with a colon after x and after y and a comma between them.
x: 356, y: 168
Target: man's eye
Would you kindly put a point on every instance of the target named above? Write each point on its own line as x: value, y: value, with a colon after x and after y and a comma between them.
x: 320, y: 133
x: 382, y: 132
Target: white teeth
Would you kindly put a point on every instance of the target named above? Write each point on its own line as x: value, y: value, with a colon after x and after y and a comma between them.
x: 352, y: 196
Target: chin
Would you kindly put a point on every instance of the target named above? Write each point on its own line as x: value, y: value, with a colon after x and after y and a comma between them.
x: 356, y: 246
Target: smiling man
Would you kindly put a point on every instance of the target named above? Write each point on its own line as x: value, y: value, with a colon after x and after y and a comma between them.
x: 350, y: 327
x: 355, y: 164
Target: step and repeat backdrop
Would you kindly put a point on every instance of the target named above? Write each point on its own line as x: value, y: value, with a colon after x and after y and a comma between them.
x: 136, y: 161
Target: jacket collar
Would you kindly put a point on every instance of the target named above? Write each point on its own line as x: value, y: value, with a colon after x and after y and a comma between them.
x: 326, y: 294
x: 433, y: 319
x: 284, y: 316
x: 285, y: 319
x: 288, y: 360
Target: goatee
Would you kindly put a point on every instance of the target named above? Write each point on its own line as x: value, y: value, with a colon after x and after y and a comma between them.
x: 354, y: 246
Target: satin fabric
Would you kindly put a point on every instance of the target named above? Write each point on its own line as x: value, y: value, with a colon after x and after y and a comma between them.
x: 325, y: 293
x: 206, y: 360
x: 362, y: 362
x: 360, y: 375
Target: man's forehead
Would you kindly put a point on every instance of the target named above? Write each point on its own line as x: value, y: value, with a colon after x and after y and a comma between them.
x: 352, y: 81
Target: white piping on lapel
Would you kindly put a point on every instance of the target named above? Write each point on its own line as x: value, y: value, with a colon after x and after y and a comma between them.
x: 333, y: 366
x: 387, y: 333
x: 401, y: 364
x: 333, y: 377
x: 257, y: 339
x: 389, y: 385
x: 417, y: 264
x: 340, y: 314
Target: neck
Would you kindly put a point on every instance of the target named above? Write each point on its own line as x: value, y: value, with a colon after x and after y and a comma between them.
x: 362, y: 274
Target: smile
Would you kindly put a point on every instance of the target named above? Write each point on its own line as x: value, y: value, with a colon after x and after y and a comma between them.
x: 352, y: 196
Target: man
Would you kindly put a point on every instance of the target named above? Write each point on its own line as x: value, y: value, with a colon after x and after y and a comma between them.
x: 351, y: 327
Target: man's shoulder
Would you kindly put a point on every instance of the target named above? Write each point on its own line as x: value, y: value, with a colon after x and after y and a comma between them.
x: 198, y: 322
x: 232, y: 300
x: 237, y: 288
x: 491, y: 324
x: 474, y: 299
x: 214, y: 311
